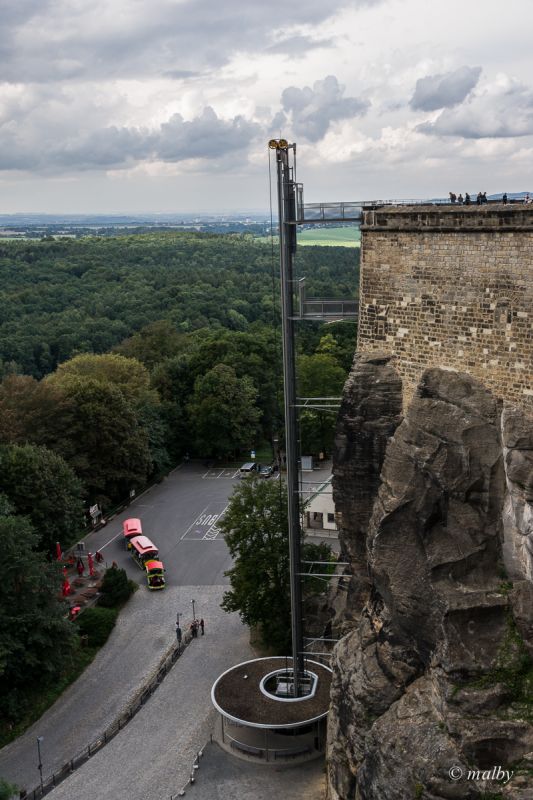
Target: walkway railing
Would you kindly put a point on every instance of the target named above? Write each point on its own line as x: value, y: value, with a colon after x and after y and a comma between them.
x: 111, y: 731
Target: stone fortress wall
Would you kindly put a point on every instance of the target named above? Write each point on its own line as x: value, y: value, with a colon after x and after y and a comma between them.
x: 451, y: 286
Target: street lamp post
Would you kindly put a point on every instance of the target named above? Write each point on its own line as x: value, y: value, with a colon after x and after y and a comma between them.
x: 193, y: 612
x: 178, y: 631
x: 40, y: 764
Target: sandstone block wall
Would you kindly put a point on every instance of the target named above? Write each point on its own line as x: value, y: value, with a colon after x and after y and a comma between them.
x: 451, y: 286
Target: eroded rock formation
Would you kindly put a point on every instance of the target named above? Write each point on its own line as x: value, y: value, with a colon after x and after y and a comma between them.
x: 369, y: 414
x: 517, y: 440
x: 435, y: 674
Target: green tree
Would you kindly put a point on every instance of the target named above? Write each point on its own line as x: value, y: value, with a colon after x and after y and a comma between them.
x: 116, y: 588
x: 319, y: 375
x: 223, y: 413
x: 39, y: 484
x: 32, y: 411
x: 255, y: 529
x: 104, y: 442
x: 127, y: 374
x: 7, y: 790
x: 153, y: 343
x: 36, y: 641
x: 174, y: 381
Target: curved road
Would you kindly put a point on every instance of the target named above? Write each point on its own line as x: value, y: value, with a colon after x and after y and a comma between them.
x: 180, y: 516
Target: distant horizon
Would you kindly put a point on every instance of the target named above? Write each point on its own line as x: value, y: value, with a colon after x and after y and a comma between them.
x: 222, y: 212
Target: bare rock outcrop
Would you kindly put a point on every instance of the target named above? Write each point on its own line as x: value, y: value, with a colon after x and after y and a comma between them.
x: 370, y: 413
x: 517, y: 440
x: 433, y: 686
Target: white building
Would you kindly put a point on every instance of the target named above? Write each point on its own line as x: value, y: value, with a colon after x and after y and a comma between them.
x: 319, y: 510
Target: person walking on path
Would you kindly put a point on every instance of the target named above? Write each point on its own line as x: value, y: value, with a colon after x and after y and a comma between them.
x: 194, y: 629
x: 202, y: 625
x: 80, y: 567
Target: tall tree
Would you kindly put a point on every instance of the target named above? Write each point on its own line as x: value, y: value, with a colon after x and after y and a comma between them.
x: 255, y: 529
x: 319, y: 375
x: 32, y: 411
x: 106, y: 445
x: 39, y: 484
x: 153, y: 343
x: 127, y: 374
x: 36, y: 640
x: 223, y: 413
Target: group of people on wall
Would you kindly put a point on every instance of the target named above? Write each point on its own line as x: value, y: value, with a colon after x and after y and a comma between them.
x: 481, y: 198
x: 467, y: 199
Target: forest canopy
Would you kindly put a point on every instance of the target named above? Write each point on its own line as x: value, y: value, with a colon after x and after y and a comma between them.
x: 120, y: 355
x: 63, y: 297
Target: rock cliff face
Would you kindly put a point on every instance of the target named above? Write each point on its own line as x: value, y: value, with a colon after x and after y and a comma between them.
x: 517, y: 439
x: 369, y: 415
x: 434, y: 678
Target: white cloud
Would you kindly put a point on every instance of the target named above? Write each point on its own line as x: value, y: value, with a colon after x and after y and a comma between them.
x: 126, y: 93
x: 503, y: 109
x: 311, y: 111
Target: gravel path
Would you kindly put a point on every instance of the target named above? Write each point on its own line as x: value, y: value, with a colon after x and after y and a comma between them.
x: 178, y: 710
x: 152, y: 757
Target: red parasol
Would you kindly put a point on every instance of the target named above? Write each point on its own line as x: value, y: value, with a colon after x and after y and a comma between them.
x: 59, y: 552
x: 90, y: 564
x: 66, y: 587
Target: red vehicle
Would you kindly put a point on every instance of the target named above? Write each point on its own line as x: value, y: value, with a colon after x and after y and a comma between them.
x: 142, y: 550
x: 131, y: 528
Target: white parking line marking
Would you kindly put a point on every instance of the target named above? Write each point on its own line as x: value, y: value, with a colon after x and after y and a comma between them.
x: 194, y: 523
x: 109, y: 542
x: 213, y: 531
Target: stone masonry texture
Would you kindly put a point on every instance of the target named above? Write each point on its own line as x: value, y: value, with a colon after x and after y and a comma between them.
x: 451, y: 286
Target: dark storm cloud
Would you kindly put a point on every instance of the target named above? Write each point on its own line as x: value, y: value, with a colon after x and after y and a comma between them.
x: 311, y: 111
x: 115, y: 39
x: 444, y: 91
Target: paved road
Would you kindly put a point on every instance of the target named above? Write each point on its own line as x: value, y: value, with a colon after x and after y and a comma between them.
x: 151, y: 758
x: 223, y: 777
x: 195, y: 556
x: 179, y: 516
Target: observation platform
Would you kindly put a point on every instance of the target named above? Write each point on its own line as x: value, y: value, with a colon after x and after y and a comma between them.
x: 259, y: 717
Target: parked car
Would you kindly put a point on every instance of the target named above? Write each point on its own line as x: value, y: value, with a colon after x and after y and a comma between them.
x: 265, y: 471
x: 249, y: 468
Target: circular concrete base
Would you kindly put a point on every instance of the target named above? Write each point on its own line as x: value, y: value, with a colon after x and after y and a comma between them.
x: 256, y: 724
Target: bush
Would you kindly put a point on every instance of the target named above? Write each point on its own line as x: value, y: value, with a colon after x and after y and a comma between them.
x: 7, y: 790
x: 97, y: 624
x: 116, y: 588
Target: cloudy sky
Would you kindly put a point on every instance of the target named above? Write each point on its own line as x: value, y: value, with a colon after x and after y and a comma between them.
x: 168, y: 105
